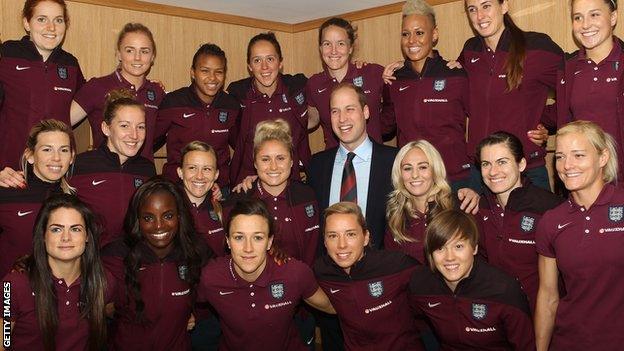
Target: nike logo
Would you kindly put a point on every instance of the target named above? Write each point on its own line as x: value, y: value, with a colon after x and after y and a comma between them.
x: 562, y: 81
x: 577, y: 72
x: 561, y: 226
x: 187, y: 115
x: 334, y: 291
x: 432, y: 305
x: 222, y: 293
x: 403, y: 88
x: 98, y: 182
x: 22, y: 214
x: 321, y: 90
x: 21, y: 68
x: 473, y: 60
x: 485, y: 218
x: 309, y: 342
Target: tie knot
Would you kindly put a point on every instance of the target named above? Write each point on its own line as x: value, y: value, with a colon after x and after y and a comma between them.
x: 350, y: 156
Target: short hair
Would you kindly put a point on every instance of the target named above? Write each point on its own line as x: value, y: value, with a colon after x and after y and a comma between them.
x: 348, y: 85
x: 116, y: 99
x: 268, y: 36
x: 600, y: 140
x: 136, y: 28
x: 419, y: 7
x: 278, y: 130
x: 250, y: 207
x: 501, y: 137
x: 346, y: 207
x: 447, y: 225
x: 209, y: 49
x: 340, y: 23
x: 196, y: 145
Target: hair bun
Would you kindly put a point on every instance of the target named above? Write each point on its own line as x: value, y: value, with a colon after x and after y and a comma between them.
x: 119, y: 94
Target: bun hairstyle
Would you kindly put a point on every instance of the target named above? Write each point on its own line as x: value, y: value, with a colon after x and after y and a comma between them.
x: 268, y: 36
x: 340, y: 23
x: 210, y: 49
x: 116, y: 99
x: 136, y: 28
x: 277, y: 129
x: 419, y: 7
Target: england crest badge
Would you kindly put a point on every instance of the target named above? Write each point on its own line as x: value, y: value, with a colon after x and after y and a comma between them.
x: 213, y: 215
x: 358, y: 81
x: 527, y: 224
x: 151, y: 95
x: 375, y: 289
x: 277, y: 291
x: 182, y: 271
x: 439, y: 84
x: 284, y: 98
x: 223, y: 116
x: 138, y: 182
x: 300, y: 98
x: 616, y: 213
x: 309, y: 210
x: 479, y: 311
x: 62, y: 72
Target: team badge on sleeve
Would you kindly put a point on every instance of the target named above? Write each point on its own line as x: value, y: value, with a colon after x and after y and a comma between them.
x: 182, y: 271
x: 527, y: 224
x: 375, y: 289
x: 277, y: 290
x: 285, y: 98
x: 309, y: 209
x: 151, y: 95
x: 213, y: 215
x: 479, y: 311
x: 223, y: 116
x: 62, y: 72
x: 358, y: 81
x: 300, y: 98
x: 138, y: 182
x: 439, y: 84
x: 616, y: 213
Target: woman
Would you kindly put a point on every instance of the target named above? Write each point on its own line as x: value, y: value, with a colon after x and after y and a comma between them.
x: 268, y: 94
x: 136, y: 51
x: 49, y: 152
x: 291, y: 203
x: 413, y: 105
x: 58, y: 302
x: 367, y: 287
x: 470, y: 304
x: 420, y: 192
x: 38, y: 79
x: 255, y: 297
x: 582, y: 239
x: 202, y: 111
x: 336, y: 44
x: 198, y: 173
x: 157, y: 267
x: 107, y: 177
x: 510, y: 210
x: 591, y: 83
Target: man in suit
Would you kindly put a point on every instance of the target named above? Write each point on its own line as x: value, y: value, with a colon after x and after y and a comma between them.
x: 331, y: 176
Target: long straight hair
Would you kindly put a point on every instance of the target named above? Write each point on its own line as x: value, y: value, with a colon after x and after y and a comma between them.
x: 514, y: 65
x: 92, y: 277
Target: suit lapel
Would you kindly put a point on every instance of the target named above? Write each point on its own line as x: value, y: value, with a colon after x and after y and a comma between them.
x: 372, y: 181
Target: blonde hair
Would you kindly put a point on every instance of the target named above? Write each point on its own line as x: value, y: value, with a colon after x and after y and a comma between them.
x: 277, y: 129
x: 419, y: 7
x: 197, y: 145
x: 600, y: 140
x: 400, y: 205
x: 346, y: 207
x: 44, y: 126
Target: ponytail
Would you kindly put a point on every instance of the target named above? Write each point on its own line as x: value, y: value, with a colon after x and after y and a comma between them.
x: 514, y: 66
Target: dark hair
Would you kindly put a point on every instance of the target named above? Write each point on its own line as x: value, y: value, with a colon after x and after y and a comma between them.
x: 185, y: 241
x: 501, y: 137
x: 29, y: 9
x: 445, y: 226
x: 340, y: 23
x: 355, y: 88
x: 268, y: 36
x: 136, y: 28
x: 116, y: 99
x: 209, y: 50
x: 514, y: 65
x: 92, y: 277
x: 250, y: 207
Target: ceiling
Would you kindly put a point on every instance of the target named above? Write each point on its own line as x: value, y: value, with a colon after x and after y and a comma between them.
x: 285, y: 11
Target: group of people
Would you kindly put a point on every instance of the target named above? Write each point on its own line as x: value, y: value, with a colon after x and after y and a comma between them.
x: 452, y: 241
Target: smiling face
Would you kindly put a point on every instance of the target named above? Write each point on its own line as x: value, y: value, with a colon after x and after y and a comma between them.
x: 336, y: 48
x: 198, y: 173
x: 417, y: 174
x: 348, y: 117
x: 52, y: 156
x: 249, y: 241
x: 593, y: 23
x: 265, y: 65
x: 345, y: 239
x: 159, y: 222
x: 65, y: 236
x: 208, y: 77
x: 499, y: 169
x: 135, y: 54
x: 454, y: 260
x: 46, y: 27
x: 126, y: 133
x: 486, y: 17
x: 418, y: 35
x: 578, y: 163
x: 273, y: 164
